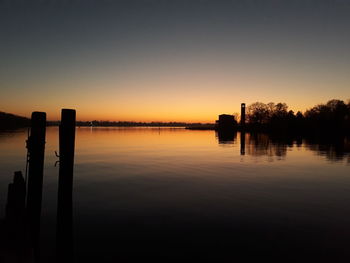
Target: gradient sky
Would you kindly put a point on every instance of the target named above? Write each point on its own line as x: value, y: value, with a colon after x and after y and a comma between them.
x: 171, y: 60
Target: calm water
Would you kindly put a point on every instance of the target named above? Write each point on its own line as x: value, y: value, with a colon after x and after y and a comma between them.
x: 172, y: 194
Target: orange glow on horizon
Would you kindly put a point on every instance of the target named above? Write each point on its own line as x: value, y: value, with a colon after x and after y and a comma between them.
x: 187, y: 95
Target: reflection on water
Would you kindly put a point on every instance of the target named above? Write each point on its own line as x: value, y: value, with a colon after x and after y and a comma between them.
x: 259, y: 144
x: 176, y: 195
x: 334, y: 149
x: 226, y: 137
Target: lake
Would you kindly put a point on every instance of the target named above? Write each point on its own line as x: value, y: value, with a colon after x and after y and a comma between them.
x: 177, y: 195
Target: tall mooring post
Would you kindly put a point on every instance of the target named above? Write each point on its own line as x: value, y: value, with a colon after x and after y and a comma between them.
x: 242, y: 114
x: 64, y: 229
x: 36, y: 152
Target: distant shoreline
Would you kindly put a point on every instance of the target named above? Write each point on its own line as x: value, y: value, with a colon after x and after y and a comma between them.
x: 133, y: 124
x: 332, y: 117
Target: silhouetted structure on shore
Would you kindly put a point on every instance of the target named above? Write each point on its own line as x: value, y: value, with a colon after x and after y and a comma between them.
x: 242, y: 115
x: 226, y: 122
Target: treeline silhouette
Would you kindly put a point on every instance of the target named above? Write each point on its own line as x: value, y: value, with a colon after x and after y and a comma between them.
x: 333, y: 116
x: 11, y: 121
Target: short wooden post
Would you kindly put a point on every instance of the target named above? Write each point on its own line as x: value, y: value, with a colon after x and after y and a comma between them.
x: 15, y: 207
x: 64, y: 229
x: 36, y: 150
x: 15, y: 215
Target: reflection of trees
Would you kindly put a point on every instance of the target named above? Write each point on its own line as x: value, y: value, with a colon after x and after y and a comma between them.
x: 334, y: 149
x: 261, y: 144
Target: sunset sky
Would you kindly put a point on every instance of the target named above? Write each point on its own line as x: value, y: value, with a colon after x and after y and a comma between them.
x: 171, y: 60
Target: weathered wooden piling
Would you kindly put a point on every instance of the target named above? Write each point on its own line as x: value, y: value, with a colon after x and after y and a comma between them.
x: 15, y: 207
x: 64, y: 229
x: 14, y: 234
x: 36, y: 152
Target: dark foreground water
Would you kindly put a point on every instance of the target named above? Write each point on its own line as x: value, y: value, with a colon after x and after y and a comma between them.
x: 175, y: 195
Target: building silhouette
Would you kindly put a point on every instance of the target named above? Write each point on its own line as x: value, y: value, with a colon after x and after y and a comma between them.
x: 226, y: 122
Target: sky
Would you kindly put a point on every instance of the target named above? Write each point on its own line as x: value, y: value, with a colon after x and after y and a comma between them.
x: 162, y: 60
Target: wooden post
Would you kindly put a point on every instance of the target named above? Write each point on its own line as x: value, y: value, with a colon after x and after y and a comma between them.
x: 15, y: 217
x: 64, y: 229
x: 36, y: 150
x: 15, y: 207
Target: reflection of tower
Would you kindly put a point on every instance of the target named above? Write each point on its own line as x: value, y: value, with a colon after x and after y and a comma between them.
x: 242, y: 114
x: 242, y: 143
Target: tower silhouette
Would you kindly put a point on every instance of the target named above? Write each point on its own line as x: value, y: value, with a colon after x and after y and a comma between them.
x: 242, y: 114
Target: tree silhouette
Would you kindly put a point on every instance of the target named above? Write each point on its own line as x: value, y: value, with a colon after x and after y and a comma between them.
x: 334, y: 116
x: 258, y: 113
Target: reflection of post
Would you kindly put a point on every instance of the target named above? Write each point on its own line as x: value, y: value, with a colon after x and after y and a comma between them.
x: 65, y: 186
x: 242, y: 143
x: 36, y: 150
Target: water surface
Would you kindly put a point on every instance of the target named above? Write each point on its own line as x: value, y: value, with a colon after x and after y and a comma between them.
x: 170, y: 194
